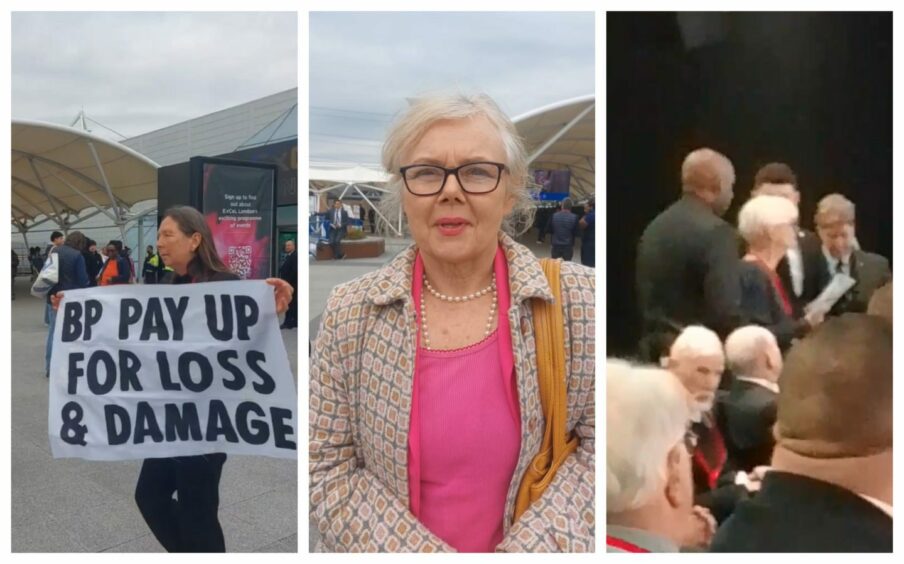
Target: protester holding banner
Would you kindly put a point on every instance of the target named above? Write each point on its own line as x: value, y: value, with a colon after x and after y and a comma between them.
x: 416, y: 361
x: 190, y: 524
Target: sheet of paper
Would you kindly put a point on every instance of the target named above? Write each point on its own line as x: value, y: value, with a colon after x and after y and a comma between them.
x: 837, y: 288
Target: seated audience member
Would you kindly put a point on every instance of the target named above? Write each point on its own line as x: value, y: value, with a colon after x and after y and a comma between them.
x: 830, y: 486
x: 768, y: 225
x: 880, y: 303
x: 749, y: 408
x: 796, y: 269
x: 697, y: 359
x: 649, y: 489
x: 836, y: 228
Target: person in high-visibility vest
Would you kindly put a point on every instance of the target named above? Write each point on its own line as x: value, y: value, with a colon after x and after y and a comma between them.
x: 152, y: 270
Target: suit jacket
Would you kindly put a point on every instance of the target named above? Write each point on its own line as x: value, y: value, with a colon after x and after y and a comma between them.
x: 687, y: 270
x: 343, y: 224
x: 871, y: 271
x: 749, y: 413
x: 289, y: 269
x: 714, y: 486
x: 794, y: 513
x: 811, y: 258
x: 362, y: 370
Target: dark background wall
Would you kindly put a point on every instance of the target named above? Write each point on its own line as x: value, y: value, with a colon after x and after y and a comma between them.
x: 813, y: 90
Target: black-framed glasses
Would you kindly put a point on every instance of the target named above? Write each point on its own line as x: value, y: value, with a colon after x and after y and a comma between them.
x: 474, y: 178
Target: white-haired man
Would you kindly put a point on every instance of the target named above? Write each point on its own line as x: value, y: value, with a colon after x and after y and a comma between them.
x: 749, y: 408
x: 835, y: 225
x: 687, y: 258
x: 649, y: 489
x: 698, y: 360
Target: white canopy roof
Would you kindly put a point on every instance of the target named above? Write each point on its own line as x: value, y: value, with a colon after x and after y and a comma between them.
x: 58, y: 172
x: 325, y: 174
x: 563, y: 136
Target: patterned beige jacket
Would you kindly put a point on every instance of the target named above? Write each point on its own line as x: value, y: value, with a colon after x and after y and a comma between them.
x: 361, y: 379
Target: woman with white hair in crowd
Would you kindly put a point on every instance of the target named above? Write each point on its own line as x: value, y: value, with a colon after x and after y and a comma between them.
x: 768, y: 225
x: 425, y: 408
x: 649, y: 488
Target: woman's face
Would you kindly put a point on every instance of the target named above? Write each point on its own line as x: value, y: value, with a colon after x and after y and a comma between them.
x: 175, y: 247
x: 454, y: 226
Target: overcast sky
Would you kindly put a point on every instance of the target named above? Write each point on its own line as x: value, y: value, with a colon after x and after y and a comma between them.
x: 137, y: 72
x: 364, y: 65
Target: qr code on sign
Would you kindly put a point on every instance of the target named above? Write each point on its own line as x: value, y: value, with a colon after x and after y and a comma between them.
x: 239, y: 259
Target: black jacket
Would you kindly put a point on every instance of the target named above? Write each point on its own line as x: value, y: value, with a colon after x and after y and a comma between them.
x: 687, y: 270
x: 749, y: 413
x: 289, y: 269
x: 793, y: 513
x: 761, y: 305
x: 871, y: 272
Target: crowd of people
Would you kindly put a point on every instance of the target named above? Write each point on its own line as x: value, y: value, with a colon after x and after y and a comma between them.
x: 564, y: 227
x: 757, y: 416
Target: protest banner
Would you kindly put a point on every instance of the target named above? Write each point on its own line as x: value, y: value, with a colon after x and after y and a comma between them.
x: 170, y: 370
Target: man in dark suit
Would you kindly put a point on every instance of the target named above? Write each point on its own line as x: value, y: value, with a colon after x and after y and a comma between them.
x: 697, y: 359
x: 830, y: 486
x: 687, y: 258
x: 749, y: 408
x: 338, y: 227
x: 289, y: 272
x: 797, y: 269
x: 835, y: 227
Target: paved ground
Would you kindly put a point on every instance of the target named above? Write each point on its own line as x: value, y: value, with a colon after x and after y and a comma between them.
x: 71, y: 505
x: 325, y: 275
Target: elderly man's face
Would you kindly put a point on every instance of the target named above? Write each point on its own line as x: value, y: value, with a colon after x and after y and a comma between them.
x: 454, y: 226
x: 700, y: 375
x: 837, y: 237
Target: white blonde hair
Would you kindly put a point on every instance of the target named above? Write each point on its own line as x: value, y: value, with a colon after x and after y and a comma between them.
x: 422, y: 113
x: 761, y: 213
x: 744, y: 346
x: 696, y: 340
x: 646, y: 417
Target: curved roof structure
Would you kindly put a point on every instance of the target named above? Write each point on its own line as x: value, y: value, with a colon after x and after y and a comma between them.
x: 58, y: 172
x: 563, y: 136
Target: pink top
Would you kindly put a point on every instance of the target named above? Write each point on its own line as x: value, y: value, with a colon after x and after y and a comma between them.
x: 464, y: 436
x: 469, y: 445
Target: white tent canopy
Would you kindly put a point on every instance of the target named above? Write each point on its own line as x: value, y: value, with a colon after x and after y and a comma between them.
x: 59, y: 172
x: 341, y: 179
x: 563, y: 136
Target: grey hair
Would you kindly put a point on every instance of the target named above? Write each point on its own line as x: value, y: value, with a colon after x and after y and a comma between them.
x: 646, y: 417
x: 833, y: 208
x: 422, y: 113
x: 762, y: 212
x: 696, y: 340
x: 744, y: 345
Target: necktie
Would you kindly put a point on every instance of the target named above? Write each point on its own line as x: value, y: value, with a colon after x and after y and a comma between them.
x: 839, y: 267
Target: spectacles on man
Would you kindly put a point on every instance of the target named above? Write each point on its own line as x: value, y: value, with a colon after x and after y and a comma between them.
x: 474, y: 178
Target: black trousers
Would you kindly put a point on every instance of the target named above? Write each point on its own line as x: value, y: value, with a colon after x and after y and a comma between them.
x: 291, y: 319
x: 189, y: 523
x: 564, y: 252
x: 336, y: 242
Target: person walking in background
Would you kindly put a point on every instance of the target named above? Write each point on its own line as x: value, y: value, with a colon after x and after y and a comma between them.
x: 15, y: 269
x: 372, y: 217
x: 72, y: 276
x: 563, y: 225
x: 338, y: 226
x: 289, y: 272
x: 152, y: 269
x: 117, y: 269
x: 588, y: 241
x: 94, y: 262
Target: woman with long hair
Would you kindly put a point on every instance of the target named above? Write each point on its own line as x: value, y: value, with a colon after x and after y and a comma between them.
x: 189, y: 523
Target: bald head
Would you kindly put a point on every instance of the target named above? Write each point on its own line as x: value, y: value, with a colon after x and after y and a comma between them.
x: 836, y: 398
x: 710, y: 176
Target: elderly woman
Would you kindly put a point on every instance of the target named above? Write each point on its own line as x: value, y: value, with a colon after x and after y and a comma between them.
x: 768, y: 225
x: 425, y: 408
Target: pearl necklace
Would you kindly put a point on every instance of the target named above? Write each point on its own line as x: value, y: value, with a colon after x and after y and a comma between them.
x: 490, y: 317
x: 469, y: 297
